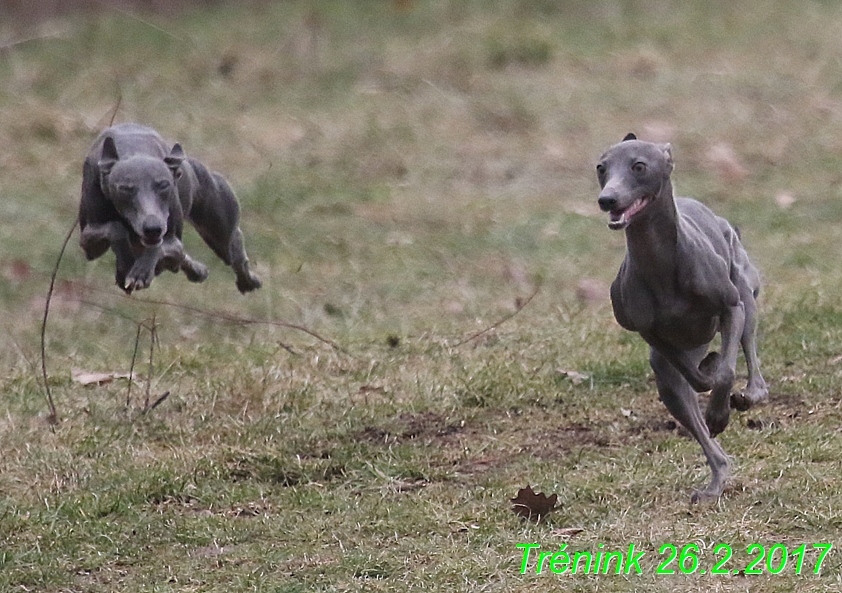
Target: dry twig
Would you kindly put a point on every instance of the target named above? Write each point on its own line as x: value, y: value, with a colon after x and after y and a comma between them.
x: 53, y: 417
x: 520, y: 307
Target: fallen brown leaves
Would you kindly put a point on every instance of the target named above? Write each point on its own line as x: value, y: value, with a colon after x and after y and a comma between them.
x: 530, y: 505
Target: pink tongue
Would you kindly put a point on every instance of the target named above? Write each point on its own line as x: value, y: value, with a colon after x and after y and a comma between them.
x: 619, y: 220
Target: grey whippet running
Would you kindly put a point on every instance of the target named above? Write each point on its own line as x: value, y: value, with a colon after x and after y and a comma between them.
x: 685, y: 277
x: 136, y: 193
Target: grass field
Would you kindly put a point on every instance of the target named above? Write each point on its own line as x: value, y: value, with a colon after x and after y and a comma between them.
x: 411, y: 173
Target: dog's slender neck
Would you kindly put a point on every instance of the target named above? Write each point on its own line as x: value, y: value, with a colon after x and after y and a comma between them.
x: 652, y: 241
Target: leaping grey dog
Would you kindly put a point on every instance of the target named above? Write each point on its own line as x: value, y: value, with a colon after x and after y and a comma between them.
x: 685, y: 277
x: 136, y: 193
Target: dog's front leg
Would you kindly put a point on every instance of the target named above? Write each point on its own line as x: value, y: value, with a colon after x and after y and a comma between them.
x: 97, y: 237
x: 683, y: 362
x: 723, y: 368
x: 174, y: 258
x: 143, y: 270
x: 683, y: 403
x: 195, y: 270
x: 168, y: 254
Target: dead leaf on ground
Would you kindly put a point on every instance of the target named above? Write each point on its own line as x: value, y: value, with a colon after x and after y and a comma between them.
x: 459, y: 527
x: 794, y: 378
x: 761, y: 423
x: 530, y: 505
x: 89, y: 378
x: 211, y: 551
x: 372, y: 389
x: 409, y: 485
x: 566, y: 531
x: 575, y: 376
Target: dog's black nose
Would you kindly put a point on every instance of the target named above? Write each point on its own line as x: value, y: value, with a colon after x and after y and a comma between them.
x: 607, y: 203
x: 152, y: 232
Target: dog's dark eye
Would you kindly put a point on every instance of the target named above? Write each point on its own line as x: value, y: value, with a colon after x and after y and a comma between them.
x: 639, y: 167
x: 600, y: 169
x: 124, y: 188
x: 162, y: 185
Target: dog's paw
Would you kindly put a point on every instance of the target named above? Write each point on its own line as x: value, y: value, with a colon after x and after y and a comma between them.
x: 195, y: 271
x: 716, y: 420
x: 714, y: 490
x: 753, y: 394
x: 740, y: 402
x: 248, y: 283
x: 120, y: 280
x: 139, y: 277
x: 705, y: 495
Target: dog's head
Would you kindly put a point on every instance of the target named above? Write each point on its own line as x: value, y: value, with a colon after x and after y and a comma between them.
x: 632, y: 175
x: 142, y: 188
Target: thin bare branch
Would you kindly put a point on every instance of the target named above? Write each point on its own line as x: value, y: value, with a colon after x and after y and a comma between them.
x: 152, y: 339
x: 244, y: 321
x: 53, y: 416
x: 157, y: 402
x: 7, y: 46
x: 135, y: 17
x: 116, y: 109
x: 493, y: 326
x: 131, y: 367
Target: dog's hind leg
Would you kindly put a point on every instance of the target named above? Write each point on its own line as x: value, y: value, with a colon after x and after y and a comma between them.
x: 724, y: 369
x: 231, y: 241
x: 756, y: 390
x: 246, y: 281
x: 217, y: 219
x: 683, y: 403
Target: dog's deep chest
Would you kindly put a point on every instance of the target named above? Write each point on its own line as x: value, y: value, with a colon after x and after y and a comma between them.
x: 662, y: 309
x: 685, y: 323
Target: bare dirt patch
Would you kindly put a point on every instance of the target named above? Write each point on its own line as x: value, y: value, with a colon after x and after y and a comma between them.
x: 426, y: 427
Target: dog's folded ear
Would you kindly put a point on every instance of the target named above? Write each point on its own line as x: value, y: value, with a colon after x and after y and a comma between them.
x: 630, y: 136
x: 174, y: 160
x: 667, y: 150
x: 109, y: 156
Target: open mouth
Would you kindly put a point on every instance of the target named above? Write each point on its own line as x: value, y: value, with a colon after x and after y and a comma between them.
x: 620, y: 219
x: 154, y: 243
